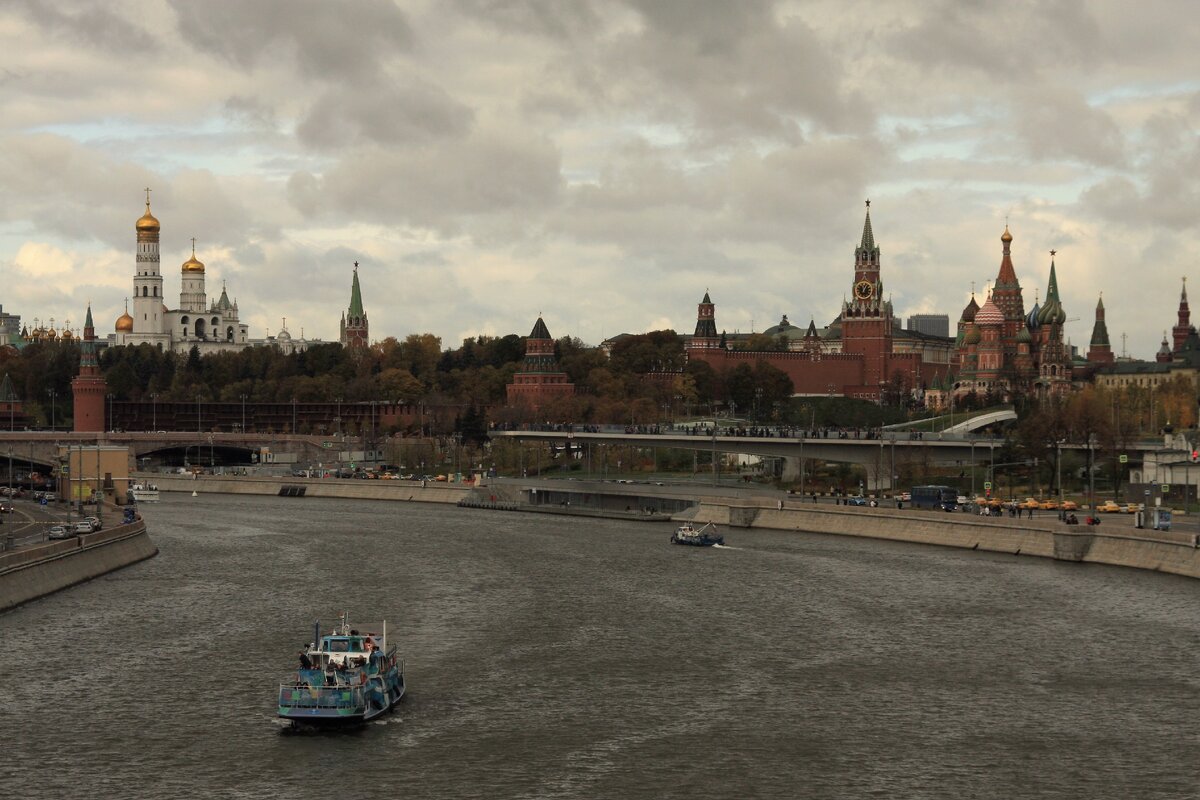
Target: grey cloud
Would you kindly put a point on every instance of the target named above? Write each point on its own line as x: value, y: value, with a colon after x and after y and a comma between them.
x: 250, y: 112
x: 1058, y: 123
x: 393, y: 113
x: 341, y: 40
x: 1161, y: 190
x: 91, y: 23
x: 439, y: 184
x: 551, y: 18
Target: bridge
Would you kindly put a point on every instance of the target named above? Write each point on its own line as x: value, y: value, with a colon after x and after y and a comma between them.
x: 176, y: 448
x: 877, y: 453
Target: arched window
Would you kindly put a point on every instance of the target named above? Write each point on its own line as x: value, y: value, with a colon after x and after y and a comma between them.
x: 229, y: 334
x: 156, y: 291
x: 145, y: 291
x: 184, y: 320
x: 215, y: 322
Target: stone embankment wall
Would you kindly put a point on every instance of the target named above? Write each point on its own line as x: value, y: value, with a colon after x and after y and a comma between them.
x: 34, y: 572
x: 1115, y: 544
x: 432, y: 492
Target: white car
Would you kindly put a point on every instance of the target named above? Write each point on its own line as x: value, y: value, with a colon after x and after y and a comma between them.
x: 60, y: 532
x: 83, y: 526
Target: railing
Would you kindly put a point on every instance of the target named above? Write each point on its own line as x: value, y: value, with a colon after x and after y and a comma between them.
x: 327, y: 697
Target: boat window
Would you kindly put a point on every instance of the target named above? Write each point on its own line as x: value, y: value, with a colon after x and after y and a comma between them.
x: 338, y: 646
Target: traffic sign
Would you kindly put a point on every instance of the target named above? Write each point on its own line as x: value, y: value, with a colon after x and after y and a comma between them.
x: 1124, y: 459
x: 987, y: 485
x: 1166, y: 487
x: 1147, y: 492
x: 326, y: 444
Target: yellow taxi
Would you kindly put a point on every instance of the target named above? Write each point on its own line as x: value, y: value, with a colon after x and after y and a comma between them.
x: 1029, y: 502
x: 1048, y: 505
x: 1070, y: 505
x: 1108, y: 507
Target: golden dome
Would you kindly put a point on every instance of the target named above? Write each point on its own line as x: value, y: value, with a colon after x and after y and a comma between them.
x: 147, y: 223
x: 193, y: 264
x: 1006, y: 237
x: 124, y: 323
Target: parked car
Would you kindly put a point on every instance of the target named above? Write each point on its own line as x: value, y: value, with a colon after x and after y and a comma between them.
x: 95, y: 523
x: 83, y: 526
x: 6, y: 507
x: 60, y: 532
x: 1108, y: 507
x: 856, y: 501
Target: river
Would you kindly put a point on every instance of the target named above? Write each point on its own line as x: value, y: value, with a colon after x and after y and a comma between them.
x: 551, y: 657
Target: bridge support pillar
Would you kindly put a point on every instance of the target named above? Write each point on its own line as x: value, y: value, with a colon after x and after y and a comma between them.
x: 790, y: 469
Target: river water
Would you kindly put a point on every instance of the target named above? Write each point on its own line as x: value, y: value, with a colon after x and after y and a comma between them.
x: 550, y: 657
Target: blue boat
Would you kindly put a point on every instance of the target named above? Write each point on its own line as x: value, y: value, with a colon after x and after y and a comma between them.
x: 347, y: 678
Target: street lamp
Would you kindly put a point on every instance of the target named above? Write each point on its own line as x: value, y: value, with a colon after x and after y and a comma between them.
x: 111, y: 426
x: 154, y: 411
x: 293, y: 416
x: 53, y: 395
x: 243, y: 398
x: 198, y: 426
x: 338, y: 418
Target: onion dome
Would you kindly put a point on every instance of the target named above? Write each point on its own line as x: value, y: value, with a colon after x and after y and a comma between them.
x: 147, y: 223
x: 125, y: 322
x: 973, y: 336
x: 193, y: 264
x: 971, y: 310
x: 1024, y: 336
x: 1006, y: 237
x: 1032, y: 318
x: 989, y: 314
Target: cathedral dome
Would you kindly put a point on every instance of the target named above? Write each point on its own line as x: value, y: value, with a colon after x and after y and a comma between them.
x: 1032, y: 319
x: 1006, y: 237
x: 193, y: 264
x: 970, y: 311
x: 124, y: 323
x: 989, y: 314
x: 1052, y: 314
x: 973, y: 336
x: 1024, y: 336
x: 147, y: 223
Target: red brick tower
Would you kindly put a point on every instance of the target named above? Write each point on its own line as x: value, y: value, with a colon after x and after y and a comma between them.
x: 1183, y: 327
x: 1006, y: 294
x: 539, y: 379
x: 88, y: 387
x: 354, y: 328
x: 705, y: 337
x: 866, y: 317
x: 1100, y: 351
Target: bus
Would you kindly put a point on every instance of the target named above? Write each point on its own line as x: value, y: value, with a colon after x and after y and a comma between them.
x: 935, y: 498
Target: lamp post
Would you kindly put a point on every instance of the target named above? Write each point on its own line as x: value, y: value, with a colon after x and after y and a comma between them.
x: 338, y: 418
x: 243, y: 399
x: 199, y: 428
x: 293, y: 416
x: 111, y: 426
x: 53, y: 395
x: 1058, y: 471
x: 154, y: 411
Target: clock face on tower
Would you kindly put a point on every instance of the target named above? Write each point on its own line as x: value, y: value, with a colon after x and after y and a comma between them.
x: 863, y: 290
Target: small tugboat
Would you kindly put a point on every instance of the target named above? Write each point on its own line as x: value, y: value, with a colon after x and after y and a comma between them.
x: 346, y: 678
x: 706, y: 536
x: 144, y: 493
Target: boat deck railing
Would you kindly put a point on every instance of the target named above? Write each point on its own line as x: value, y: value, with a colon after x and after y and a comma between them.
x: 330, y: 697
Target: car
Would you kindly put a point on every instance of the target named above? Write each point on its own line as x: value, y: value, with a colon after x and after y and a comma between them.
x: 95, y: 523
x: 60, y: 532
x: 1048, y: 505
x: 1029, y: 502
x: 6, y: 507
x: 83, y: 526
x: 963, y: 499
x: 1108, y: 507
x: 856, y: 501
x: 905, y: 497
x: 1070, y: 505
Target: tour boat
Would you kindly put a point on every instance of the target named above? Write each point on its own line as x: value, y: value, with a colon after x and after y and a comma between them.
x: 144, y: 492
x: 347, y: 677
x: 706, y: 536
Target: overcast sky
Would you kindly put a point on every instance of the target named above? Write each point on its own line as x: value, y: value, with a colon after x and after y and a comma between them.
x: 603, y: 163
